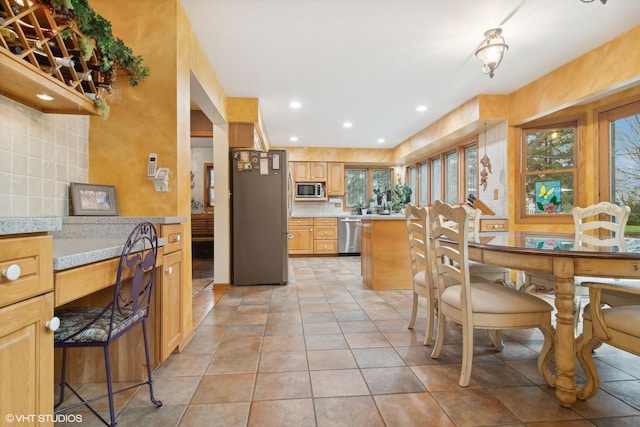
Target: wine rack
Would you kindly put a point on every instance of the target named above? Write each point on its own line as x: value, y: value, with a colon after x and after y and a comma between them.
x: 40, y: 54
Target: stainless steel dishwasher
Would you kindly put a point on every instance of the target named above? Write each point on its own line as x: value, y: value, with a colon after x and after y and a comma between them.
x: 349, y: 236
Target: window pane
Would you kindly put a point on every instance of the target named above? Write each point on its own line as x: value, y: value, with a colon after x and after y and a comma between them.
x: 451, y: 179
x: 356, y: 187
x: 381, y: 179
x: 412, y: 183
x: 471, y: 171
x: 625, y: 168
x: 543, y: 195
x: 550, y: 149
x: 436, y: 193
x: 423, y: 184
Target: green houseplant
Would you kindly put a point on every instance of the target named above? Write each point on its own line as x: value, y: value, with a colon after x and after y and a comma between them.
x: 97, y: 35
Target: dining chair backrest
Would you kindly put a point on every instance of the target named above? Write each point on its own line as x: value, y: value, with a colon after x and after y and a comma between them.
x: 473, y: 222
x: 416, y: 217
x: 594, y: 232
x: 451, y: 223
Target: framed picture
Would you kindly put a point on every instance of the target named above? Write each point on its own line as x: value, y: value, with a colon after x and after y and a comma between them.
x: 90, y: 199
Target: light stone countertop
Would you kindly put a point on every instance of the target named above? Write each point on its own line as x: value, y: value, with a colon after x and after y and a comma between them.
x: 23, y: 225
x: 69, y: 253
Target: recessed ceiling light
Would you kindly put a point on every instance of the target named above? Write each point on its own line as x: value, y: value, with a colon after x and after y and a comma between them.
x: 380, y: 140
x: 421, y: 108
x: 45, y: 96
x: 293, y: 139
x: 347, y: 124
x: 295, y: 105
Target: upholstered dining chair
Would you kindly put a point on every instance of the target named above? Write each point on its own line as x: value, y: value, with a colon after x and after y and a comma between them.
x: 601, y: 227
x: 83, y: 327
x: 617, y: 326
x: 477, y: 270
x: 421, y: 267
x: 482, y: 305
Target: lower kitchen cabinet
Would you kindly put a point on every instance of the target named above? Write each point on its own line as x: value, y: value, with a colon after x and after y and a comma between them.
x: 171, y: 288
x: 301, y: 231
x: 171, y: 302
x: 26, y: 342
x: 325, y: 236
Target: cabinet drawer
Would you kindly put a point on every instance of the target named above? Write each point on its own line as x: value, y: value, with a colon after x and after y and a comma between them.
x: 325, y: 247
x: 301, y: 221
x: 32, y: 257
x: 173, y: 234
x: 325, y: 221
x: 325, y: 232
x: 494, y: 224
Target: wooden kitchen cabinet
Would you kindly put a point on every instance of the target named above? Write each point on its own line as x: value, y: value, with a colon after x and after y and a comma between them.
x: 26, y: 344
x: 309, y: 171
x: 245, y: 135
x: 335, y: 179
x: 325, y: 236
x: 171, y: 288
x: 301, y: 230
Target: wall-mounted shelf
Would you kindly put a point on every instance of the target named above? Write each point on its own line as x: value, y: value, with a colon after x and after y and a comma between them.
x: 30, y: 42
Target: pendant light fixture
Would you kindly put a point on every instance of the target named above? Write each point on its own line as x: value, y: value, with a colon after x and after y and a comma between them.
x: 491, y: 50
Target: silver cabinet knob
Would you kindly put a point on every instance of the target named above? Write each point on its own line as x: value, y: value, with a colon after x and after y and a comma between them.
x: 177, y: 238
x: 169, y: 270
x: 12, y: 272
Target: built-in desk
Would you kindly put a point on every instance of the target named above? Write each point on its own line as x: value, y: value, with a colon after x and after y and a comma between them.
x: 85, y: 262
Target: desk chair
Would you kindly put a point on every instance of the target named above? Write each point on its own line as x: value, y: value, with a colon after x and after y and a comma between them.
x: 101, y: 326
x: 617, y: 326
x: 481, y: 305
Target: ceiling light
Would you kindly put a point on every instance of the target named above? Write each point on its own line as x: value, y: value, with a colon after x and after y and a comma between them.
x: 491, y: 50
x: 45, y: 96
x: 380, y: 140
x: 293, y: 139
x: 295, y: 105
x: 421, y: 108
x: 347, y: 125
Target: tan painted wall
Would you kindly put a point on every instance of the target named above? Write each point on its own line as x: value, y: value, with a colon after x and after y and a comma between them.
x: 154, y: 116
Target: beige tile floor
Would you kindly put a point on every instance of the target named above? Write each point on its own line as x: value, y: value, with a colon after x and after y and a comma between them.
x: 327, y: 351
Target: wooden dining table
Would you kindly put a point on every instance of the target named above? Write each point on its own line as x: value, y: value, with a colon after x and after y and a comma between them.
x: 554, y: 254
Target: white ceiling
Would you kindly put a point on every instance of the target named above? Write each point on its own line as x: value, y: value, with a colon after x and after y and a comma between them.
x: 371, y: 62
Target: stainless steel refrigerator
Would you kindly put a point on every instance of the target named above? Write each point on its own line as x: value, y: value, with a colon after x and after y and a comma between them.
x: 259, y: 217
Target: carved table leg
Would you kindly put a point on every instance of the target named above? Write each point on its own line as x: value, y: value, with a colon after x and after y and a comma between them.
x: 565, y: 339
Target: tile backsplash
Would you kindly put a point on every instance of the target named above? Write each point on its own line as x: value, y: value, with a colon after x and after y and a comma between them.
x: 40, y: 154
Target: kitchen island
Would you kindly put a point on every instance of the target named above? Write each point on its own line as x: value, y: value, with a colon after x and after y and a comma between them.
x: 384, y: 252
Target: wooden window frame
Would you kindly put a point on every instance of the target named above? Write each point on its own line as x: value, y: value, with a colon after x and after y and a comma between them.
x: 369, y: 189
x: 521, y: 216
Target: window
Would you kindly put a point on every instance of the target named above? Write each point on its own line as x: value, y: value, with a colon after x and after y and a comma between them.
x: 620, y: 144
x: 363, y: 183
x: 471, y: 171
x: 436, y: 180
x: 451, y: 177
x: 423, y: 184
x: 412, y: 183
x: 548, y: 170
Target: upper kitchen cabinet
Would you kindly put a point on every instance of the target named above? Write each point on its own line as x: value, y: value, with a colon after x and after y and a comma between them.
x: 244, y: 135
x: 335, y: 179
x: 309, y: 171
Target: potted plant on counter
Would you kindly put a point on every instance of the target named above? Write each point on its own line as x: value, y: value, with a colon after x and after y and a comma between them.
x: 401, y: 197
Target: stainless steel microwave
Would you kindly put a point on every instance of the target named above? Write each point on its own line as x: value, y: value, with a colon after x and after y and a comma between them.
x: 309, y: 190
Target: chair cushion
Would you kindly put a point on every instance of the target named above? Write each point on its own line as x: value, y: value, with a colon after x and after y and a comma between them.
x: 625, y: 319
x: 73, y: 320
x: 496, y: 299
